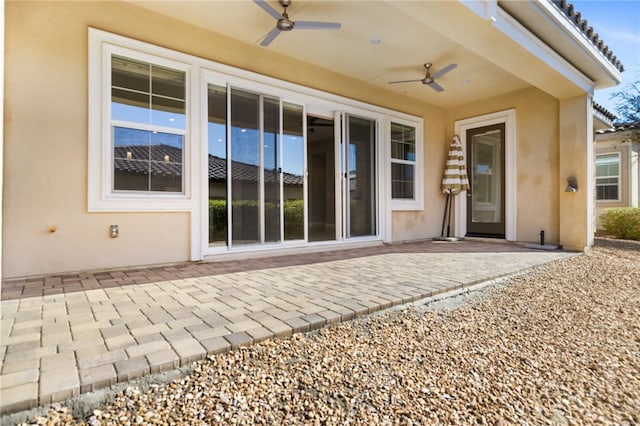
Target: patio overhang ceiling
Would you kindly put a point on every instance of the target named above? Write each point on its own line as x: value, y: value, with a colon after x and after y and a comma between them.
x: 493, y: 44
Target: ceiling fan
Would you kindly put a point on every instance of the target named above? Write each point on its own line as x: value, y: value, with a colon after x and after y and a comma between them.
x: 285, y: 24
x: 429, y: 79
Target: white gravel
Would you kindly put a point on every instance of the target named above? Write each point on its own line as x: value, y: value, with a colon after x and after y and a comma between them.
x: 560, y: 345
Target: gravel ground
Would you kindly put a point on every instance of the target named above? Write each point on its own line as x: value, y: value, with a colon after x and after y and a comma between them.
x: 560, y: 345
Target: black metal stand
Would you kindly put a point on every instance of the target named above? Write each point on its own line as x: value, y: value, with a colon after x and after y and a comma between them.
x: 447, y: 213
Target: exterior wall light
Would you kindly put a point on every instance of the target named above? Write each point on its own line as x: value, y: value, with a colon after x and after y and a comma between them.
x: 572, y: 184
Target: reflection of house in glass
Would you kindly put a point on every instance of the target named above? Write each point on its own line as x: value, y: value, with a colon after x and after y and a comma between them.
x: 147, y: 167
x: 246, y: 207
x: 134, y: 165
x: 243, y: 172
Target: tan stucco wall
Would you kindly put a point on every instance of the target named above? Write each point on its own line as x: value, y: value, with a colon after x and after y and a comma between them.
x: 537, y: 157
x: 46, y: 135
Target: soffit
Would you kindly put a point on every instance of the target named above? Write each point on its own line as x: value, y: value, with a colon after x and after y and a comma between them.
x: 535, y: 17
x: 412, y: 33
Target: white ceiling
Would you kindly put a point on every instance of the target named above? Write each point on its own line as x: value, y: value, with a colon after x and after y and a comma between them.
x: 406, y: 44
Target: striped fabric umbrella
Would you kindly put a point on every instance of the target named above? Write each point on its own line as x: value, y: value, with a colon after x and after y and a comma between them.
x: 455, y: 173
x: 454, y: 180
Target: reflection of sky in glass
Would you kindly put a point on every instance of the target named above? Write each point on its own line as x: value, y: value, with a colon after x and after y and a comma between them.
x: 244, y: 145
x: 271, y: 151
x: 293, y: 155
x: 166, y: 139
x: 352, y: 157
x: 137, y: 114
x: 217, y: 140
x: 132, y: 137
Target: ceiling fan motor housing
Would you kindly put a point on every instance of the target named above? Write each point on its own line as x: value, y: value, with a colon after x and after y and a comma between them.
x: 284, y: 23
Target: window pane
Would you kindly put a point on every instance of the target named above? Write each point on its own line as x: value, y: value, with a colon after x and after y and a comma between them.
x: 165, y: 154
x: 129, y: 106
x: 130, y: 74
x: 147, y: 94
x: 168, y: 113
x: 245, y: 161
x: 167, y: 82
x: 607, y: 165
x: 293, y: 164
x: 271, y: 148
x: 403, y: 142
x: 130, y: 159
x: 402, y: 181
x: 403, y: 147
x: 217, y: 142
x: 607, y: 189
x: 147, y: 161
x: 361, y: 166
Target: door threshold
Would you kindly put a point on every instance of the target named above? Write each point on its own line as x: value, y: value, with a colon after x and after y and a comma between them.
x: 262, y: 252
x: 488, y: 240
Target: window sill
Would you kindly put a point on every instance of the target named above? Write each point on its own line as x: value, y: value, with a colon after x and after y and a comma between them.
x: 137, y: 203
x: 406, y: 205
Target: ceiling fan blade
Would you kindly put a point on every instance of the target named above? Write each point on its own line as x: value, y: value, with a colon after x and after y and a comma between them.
x: 265, y: 6
x: 311, y: 25
x: 405, y: 81
x: 270, y: 37
x: 443, y: 71
x: 435, y: 86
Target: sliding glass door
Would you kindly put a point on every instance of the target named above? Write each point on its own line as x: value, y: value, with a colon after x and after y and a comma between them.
x: 255, y: 168
x: 259, y: 165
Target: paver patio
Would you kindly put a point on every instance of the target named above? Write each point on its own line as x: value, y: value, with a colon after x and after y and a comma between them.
x: 66, y: 335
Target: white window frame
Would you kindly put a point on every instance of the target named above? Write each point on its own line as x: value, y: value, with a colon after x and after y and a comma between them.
x: 618, y: 176
x: 417, y: 202
x: 101, y: 196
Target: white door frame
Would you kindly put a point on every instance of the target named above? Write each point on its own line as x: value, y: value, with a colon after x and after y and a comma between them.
x: 508, y: 117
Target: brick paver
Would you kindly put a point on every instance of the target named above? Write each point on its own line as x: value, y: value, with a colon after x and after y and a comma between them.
x: 66, y: 335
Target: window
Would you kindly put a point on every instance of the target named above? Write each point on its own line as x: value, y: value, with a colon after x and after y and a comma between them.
x: 140, y: 127
x: 403, y: 161
x: 148, y: 126
x: 608, y: 177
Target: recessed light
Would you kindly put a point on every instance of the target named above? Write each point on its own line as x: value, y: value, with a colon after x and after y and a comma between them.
x: 375, y: 40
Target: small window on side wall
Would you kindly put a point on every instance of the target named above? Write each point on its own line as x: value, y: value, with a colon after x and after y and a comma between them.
x: 403, y: 161
x: 608, y: 177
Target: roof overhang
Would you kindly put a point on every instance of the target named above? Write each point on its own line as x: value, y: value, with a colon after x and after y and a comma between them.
x: 499, y: 46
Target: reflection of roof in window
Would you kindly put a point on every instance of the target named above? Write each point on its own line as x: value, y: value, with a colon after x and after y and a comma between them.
x: 166, y: 160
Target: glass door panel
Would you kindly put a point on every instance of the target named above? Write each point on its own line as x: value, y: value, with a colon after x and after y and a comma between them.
x: 360, y: 172
x: 245, y: 167
x: 271, y: 158
x: 485, y: 211
x: 293, y: 171
x: 217, y: 164
x: 321, y: 163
